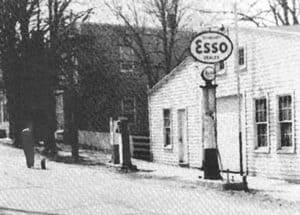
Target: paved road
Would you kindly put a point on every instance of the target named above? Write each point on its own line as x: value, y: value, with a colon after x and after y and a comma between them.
x: 75, y: 189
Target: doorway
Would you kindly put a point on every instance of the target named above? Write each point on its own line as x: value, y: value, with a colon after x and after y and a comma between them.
x: 182, y: 137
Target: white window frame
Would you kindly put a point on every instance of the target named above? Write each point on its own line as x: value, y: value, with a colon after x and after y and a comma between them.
x: 132, y: 62
x: 243, y: 67
x: 285, y: 149
x: 261, y: 149
x: 170, y: 146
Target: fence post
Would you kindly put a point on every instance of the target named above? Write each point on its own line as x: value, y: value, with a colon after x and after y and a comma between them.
x: 115, y: 145
x: 126, y: 162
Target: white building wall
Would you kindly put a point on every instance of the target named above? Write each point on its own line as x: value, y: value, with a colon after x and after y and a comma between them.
x: 181, y: 92
x: 273, y: 63
x: 277, y: 61
x: 272, y: 69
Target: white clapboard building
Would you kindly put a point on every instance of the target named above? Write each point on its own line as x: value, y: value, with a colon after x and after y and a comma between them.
x: 269, y: 67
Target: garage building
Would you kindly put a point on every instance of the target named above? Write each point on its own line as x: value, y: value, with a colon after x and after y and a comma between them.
x: 269, y: 69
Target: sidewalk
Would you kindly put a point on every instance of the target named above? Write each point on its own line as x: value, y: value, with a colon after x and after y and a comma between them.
x: 91, y: 188
x: 277, y: 189
x: 272, y: 188
x: 268, y: 188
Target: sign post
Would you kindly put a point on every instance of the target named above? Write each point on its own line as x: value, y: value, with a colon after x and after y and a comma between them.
x: 210, y: 47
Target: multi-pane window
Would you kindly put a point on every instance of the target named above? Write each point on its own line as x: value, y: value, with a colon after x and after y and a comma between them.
x: 242, y: 59
x: 261, y: 121
x: 220, y: 68
x: 285, y: 120
x: 128, y: 62
x: 128, y: 108
x: 167, y: 127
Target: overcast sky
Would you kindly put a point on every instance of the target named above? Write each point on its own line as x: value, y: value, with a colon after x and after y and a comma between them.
x: 102, y: 13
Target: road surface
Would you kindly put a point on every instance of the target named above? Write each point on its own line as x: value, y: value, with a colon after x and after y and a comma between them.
x: 78, y: 189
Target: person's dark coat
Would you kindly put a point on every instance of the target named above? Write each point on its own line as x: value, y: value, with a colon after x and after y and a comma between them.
x: 28, y: 146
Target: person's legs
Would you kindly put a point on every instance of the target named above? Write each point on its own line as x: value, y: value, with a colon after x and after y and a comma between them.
x: 29, y: 155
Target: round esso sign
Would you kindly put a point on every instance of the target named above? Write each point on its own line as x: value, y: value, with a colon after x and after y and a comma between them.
x: 211, y: 47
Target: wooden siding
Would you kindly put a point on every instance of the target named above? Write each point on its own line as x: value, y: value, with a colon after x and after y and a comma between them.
x: 273, y: 61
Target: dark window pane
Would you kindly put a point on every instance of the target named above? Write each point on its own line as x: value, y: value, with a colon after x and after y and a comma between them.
x: 126, y: 53
x: 285, y: 108
x: 221, y: 66
x: 167, y: 137
x: 261, y: 110
x: 166, y: 114
x: 286, y: 134
x: 167, y: 127
x: 241, y: 56
x: 128, y: 65
x: 128, y: 105
x: 166, y: 122
x: 262, y: 135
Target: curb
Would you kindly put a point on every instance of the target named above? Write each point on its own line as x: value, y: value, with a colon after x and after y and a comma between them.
x: 211, y: 184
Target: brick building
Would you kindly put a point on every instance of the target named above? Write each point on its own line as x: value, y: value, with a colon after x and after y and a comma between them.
x: 269, y: 61
x: 115, y: 84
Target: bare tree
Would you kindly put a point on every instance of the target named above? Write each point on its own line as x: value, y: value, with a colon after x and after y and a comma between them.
x: 30, y: 34
x: 156, y: 43
x: 61, y: 23
x: 275, y: 12
x: 285, y: 12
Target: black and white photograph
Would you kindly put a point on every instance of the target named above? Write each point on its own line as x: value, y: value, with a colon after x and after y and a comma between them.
x: 149, y: 107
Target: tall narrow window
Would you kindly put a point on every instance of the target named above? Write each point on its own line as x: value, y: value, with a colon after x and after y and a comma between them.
x: 128, y: 62
x: 128, y: 108
x: 220, y: 68
x: 285, y: 120
x: 261, y: 120
x: 242, y: 59
x: 167, y: 127
x: 5, y: 113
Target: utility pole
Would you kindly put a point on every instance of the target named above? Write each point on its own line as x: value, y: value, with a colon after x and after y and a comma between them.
x: 236, y: 69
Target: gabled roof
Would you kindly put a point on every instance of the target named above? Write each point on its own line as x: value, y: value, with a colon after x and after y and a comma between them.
x: 286, y: 30
x: 186, y: 62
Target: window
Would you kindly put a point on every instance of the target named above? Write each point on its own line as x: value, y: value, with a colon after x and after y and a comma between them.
x: 167, y: 127
x: 261, y: 122
x: 220, y: 68
x: 3, y: 109
x: 285, y: 120
x: 5, y: 113
x: 242, y: 58
x: 128, y: 61
x: 128, y: 108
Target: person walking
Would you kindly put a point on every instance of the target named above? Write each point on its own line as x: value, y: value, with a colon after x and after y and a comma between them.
x: 28, y: 143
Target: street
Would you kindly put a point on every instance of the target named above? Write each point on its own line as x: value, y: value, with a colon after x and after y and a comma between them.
x: 78, y: 189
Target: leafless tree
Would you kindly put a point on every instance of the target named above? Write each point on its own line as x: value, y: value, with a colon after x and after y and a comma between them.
x: 275, y: 12
x: 152, y: 31
x: 285, y: 12
x: 30, y: 34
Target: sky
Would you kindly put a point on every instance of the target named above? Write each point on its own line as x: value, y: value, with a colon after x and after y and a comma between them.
x: 195, y: 19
